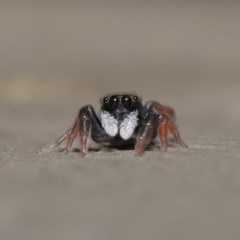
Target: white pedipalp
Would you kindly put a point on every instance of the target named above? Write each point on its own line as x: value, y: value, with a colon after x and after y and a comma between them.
x: 128, y: 125
x: 109, y: 123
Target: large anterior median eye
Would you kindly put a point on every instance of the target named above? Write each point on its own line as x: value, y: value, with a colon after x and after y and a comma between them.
x: 126, y: 100
x: 113, y: 101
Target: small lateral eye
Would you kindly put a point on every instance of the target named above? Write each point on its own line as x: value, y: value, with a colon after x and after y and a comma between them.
x: 135, y: 98
x: 105, y: 100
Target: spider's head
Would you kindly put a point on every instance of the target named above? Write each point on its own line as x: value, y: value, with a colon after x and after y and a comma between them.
x: 120, y: 113
x: 119, y: 106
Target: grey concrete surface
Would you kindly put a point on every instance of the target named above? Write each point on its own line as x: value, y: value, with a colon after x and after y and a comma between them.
x: 58, y: 57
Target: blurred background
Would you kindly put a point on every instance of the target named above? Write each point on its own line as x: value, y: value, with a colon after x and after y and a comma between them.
x: 56, y: 56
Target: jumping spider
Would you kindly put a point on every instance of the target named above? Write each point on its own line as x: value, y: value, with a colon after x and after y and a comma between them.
x: 123, y: 121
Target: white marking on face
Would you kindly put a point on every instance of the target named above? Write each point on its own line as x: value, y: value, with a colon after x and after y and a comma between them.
x: 109, y: 123
x: 128, y: 125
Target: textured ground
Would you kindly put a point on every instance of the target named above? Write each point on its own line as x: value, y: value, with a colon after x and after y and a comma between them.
x: 186, y: 56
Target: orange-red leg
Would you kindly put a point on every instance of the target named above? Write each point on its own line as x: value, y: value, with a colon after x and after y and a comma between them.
x: 163, y: 132
x: 142, y: 140
x: 58, y: 141
x: 173, y: 129
x: 80, y: 128
x: 166, y: 122
x: 168, y: 111
x: 69, y: 135
x: 164, y: 125
x: 72, y: 135
x: 145, y: 133
x: 84, y: 131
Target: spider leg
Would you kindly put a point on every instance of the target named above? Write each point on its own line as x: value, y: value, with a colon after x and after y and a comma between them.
x: 84, y: 129
x: 164, y: 125
x: 173, y: 129
x: 89, y: 117
x: 145, y: 132
x: 69, y: 135
x: 90, y: 125
x: 163, y: 132
x: 58, y: 141
x: 73, y: 134
x: 168, y: 111
x: 86, y: 122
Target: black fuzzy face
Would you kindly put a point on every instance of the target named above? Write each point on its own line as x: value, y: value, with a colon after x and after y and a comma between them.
x: 119, y: 106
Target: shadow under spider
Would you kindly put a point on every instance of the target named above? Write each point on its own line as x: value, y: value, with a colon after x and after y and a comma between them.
x: 153, y: 146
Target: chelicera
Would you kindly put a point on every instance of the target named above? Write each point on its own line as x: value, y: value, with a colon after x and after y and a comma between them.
x: 123, y: 121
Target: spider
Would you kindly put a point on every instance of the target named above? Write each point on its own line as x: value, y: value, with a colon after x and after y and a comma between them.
x: 124, y: 121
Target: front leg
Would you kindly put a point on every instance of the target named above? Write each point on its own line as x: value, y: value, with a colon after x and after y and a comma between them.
x: 145, y: 131
x: 86, y: 122
x: 89, y: 123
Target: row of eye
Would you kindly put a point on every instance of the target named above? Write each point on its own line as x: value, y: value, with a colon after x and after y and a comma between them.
x: 123, y: 99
